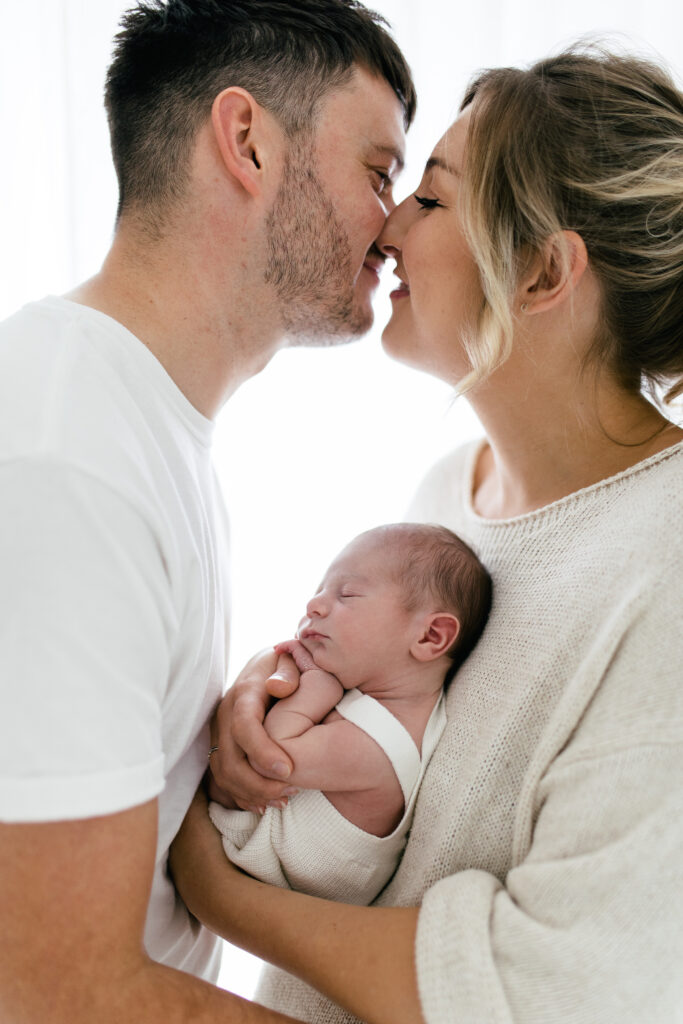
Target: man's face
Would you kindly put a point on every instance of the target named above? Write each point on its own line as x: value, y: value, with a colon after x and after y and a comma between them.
x: 334, y: 196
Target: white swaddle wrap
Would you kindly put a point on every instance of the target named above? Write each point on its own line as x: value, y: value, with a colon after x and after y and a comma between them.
x: 309, y: 846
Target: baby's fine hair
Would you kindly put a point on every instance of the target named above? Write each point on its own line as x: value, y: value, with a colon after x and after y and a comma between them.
x: 432, y: 563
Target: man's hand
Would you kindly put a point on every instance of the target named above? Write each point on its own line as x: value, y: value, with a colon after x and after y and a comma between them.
x: 247, y: 764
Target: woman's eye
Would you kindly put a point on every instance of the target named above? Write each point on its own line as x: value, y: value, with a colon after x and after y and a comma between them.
x: 426, y: 203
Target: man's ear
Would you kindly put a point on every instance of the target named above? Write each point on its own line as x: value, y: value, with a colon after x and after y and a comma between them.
x: 437, y: 634
x: 238, y: 127
x: 554, y: 273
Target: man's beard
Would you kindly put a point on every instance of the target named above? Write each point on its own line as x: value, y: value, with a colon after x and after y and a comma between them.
x: 309, y: 258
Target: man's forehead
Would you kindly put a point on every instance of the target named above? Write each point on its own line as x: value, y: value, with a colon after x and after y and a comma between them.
x: 368, y: 110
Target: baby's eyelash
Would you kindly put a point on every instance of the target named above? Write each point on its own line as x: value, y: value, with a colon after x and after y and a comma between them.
x: 427, y: 204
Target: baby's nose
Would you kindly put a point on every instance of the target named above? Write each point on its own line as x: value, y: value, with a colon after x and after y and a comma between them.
x: 316, y: 606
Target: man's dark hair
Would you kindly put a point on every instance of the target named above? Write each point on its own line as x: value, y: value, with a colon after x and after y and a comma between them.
x: 173, y: 57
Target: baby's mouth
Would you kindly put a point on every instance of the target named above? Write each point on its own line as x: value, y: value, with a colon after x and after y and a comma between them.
x: 312, y: 634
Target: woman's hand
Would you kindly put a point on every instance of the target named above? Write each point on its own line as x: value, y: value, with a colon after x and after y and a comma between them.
x: 246, y: 761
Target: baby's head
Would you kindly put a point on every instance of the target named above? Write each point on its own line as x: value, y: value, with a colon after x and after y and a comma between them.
x: 397, y: 595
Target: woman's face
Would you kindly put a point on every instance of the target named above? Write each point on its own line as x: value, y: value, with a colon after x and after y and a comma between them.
x: 440, y: 294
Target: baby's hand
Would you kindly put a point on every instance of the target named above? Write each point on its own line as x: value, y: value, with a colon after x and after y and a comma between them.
x: 302, y: 658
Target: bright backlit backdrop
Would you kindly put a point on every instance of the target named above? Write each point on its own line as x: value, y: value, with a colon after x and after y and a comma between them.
x: 323, y: 443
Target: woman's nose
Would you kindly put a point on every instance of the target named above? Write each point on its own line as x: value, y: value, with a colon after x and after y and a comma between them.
x: 390, y: 237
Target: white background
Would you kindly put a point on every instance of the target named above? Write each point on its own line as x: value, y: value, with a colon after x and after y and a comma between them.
x: 323, y: 443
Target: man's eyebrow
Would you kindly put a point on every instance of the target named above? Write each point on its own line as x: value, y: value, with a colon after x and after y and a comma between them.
x: 395, y: 154
x: 436, y: 161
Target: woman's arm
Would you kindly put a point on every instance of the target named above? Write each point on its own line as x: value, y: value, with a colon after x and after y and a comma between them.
x: 360, y: 957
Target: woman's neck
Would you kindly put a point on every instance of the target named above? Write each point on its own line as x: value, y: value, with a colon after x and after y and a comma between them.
x: 546, y: 444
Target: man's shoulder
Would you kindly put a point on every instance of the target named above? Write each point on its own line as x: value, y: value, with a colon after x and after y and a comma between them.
x: 76, y: 390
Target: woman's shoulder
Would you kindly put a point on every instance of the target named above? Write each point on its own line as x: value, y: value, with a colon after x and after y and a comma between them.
x: 643, y: 502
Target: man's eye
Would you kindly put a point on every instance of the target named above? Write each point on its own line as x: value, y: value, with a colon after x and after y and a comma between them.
x: 382, y: 181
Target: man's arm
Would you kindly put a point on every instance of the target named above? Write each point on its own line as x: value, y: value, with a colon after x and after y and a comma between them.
x: 74, y: 898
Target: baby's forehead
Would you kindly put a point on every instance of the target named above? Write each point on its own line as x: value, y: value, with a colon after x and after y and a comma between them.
x: 364, y: 559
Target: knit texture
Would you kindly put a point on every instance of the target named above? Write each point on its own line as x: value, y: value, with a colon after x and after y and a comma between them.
x: 547, y: 843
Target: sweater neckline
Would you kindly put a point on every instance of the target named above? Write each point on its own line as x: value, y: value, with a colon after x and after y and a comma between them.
x: 547, y: 511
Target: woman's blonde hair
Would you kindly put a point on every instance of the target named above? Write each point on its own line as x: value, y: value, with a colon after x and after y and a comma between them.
x: 589, y: 141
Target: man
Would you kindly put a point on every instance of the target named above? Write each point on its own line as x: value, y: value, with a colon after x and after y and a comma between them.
x: 256, y: 144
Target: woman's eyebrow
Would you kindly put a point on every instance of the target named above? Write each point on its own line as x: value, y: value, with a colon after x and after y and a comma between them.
x: 436, y: 161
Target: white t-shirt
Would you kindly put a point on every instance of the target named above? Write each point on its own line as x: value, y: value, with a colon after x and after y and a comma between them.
x: 113, y: 604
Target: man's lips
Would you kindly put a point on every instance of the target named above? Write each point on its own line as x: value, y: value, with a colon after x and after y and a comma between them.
x: 374, y: 261
x: 374, y: 267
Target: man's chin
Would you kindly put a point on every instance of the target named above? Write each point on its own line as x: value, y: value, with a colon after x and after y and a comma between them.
x: 320, y: 334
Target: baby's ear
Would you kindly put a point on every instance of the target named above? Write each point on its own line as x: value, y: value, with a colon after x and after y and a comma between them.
x: 437, y: 635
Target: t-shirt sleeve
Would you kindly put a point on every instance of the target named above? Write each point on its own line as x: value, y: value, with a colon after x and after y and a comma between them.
x: 85, y: 624
x: 586, y: 926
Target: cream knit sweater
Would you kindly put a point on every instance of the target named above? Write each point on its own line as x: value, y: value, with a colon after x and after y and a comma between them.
x: 547, y: 843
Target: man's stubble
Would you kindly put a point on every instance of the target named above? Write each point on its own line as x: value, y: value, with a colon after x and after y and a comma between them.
x: 309, y: 258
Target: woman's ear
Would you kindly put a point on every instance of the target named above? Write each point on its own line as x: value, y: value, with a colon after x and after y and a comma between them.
x: 554, y: 273
x: 238, y: 126
x: 437, y: 635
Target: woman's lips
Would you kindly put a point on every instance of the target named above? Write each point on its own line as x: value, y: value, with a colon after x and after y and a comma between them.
x: 401, y: 292
x: 403, y: 289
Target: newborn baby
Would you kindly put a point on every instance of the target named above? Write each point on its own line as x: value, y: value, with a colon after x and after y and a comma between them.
x: 397, y: 612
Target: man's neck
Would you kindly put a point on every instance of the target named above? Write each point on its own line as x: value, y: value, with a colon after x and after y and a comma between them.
x: 197, y: 318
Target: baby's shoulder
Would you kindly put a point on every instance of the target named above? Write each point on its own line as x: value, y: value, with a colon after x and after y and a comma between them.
x: 349, y: 743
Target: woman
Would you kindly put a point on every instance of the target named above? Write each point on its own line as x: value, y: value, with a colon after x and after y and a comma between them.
x: 541, y: 270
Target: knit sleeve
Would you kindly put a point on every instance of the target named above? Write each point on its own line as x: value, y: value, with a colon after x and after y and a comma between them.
x: 586, y: 925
